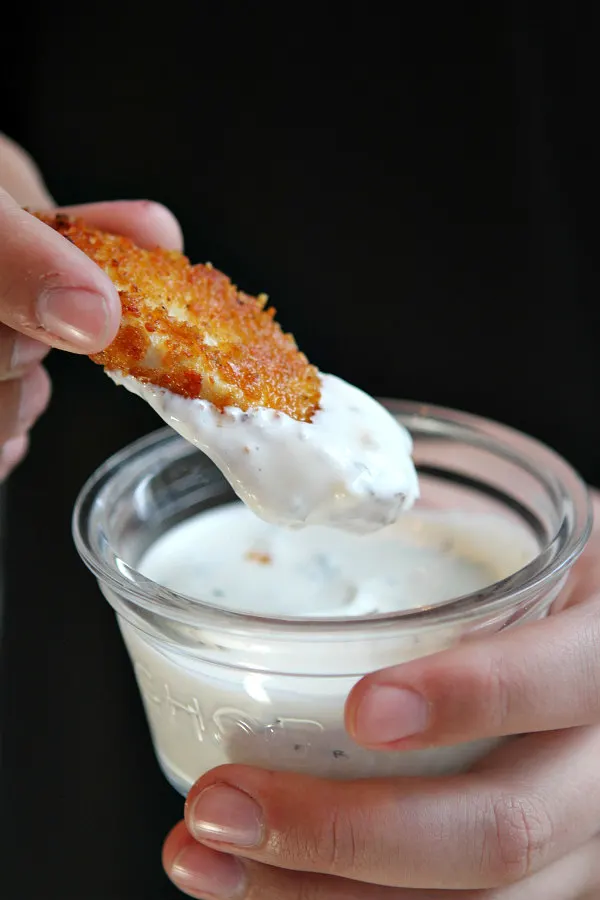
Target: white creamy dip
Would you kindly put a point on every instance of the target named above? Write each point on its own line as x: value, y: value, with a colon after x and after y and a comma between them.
x: 350, y: 467
x: 222, y: 694
x: 230, y: 558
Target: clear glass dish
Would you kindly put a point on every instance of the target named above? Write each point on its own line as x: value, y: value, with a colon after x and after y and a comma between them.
x: 220, y: 686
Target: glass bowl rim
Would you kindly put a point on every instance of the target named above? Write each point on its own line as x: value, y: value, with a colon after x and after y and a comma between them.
x: 502, y: 440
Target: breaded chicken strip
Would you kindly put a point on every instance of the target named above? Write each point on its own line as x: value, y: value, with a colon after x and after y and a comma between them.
x: 188, y: 329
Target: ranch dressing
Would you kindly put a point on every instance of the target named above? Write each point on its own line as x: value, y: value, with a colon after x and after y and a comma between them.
x: 230, y: 558
x: 350, y: 467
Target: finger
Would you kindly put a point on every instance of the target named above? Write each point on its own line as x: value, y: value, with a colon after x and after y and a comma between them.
x: 497, y: 686
x: 201, y: 872
x: 12, y: 453
x: 148, y: 224
x: 20, y: 176
x: 480, y: 830
x: 49, y: 289
x: 18, y: 353
x: 22, y: 401
x: 570, y: 878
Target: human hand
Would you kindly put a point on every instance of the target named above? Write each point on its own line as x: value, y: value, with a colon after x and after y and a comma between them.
x: 523, y: 824
x: 51, y: 294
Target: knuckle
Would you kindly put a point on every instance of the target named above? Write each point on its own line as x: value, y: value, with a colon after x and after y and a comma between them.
x: 343, y: 842
x: 330, y: 847
x: 498, y: 687
x: 519, y: 833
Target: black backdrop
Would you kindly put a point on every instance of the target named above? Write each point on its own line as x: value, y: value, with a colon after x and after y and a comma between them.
x: 412, y: 193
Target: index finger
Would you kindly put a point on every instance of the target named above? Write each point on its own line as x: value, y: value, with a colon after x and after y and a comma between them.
x: 147, y: 223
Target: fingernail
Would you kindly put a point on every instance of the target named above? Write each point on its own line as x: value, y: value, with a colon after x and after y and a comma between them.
x: 26, y: 351
x: 34, y: 396
x: 387, y: 714
x: 78, y: 316
x: 222, y: 813
x: 199, y: 871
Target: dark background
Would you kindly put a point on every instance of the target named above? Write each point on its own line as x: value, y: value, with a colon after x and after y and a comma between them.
x: 411, y: 191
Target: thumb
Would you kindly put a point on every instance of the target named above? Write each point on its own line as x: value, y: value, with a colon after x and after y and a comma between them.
x: 49, y: 289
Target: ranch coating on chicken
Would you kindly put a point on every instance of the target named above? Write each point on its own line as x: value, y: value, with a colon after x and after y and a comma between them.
x: 350, y: 467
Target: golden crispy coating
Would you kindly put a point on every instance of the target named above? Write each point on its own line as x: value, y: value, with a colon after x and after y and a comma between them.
x: 187, y: 328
